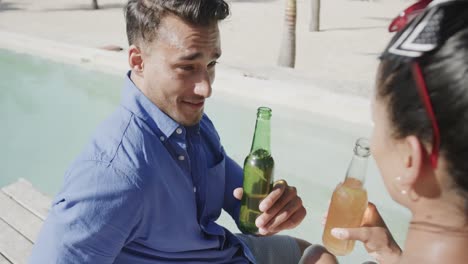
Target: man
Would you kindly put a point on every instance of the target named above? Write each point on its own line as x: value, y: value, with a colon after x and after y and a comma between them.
x: 152, y: 182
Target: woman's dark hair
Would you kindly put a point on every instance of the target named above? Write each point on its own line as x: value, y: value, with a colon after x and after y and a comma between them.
x: 445, y: 71
x: 144, y: 16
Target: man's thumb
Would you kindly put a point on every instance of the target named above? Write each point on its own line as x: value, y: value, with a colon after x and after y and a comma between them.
x: 238, y: 192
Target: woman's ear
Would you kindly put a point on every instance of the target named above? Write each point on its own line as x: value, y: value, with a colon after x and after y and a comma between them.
x: 419, y: 178
x: 412, y: 153
x: 135, y: 60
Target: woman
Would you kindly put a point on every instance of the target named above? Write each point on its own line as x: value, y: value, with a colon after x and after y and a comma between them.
x: 420, y: 138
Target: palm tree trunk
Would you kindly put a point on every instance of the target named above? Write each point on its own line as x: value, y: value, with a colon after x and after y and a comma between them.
x: 95, y: 4
x: 315, y: 15
x: 287, y: 57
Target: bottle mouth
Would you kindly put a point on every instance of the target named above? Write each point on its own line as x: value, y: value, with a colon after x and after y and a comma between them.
x: 264, y: 111
x: 362, y: 147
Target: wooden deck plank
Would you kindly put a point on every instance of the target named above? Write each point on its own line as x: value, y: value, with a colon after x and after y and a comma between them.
x: 13, y: 245
x: 19, y: 217
x: 24, y: 193
x: 3, y: 260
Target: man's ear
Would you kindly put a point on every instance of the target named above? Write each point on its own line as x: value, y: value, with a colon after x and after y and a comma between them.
x: 135, y: 60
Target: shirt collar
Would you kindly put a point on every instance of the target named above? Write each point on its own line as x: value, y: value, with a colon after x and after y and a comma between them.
x: 136, y: 102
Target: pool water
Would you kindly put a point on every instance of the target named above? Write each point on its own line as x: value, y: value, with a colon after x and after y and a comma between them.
x: 49, y: 110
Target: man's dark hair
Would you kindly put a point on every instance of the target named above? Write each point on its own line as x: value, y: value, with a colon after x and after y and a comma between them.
x: 144, y: 16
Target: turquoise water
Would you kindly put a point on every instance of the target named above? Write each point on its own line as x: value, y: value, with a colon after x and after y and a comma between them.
x: 49, y: 110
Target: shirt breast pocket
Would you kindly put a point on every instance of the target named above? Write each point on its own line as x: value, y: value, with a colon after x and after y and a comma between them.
x: 214, y: 199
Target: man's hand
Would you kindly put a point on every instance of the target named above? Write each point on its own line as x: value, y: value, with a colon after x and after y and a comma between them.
x: 375, y: 235
x: 282, y: 209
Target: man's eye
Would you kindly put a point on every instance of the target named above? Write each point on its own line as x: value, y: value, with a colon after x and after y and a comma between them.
x: 212, y: 64
x: 187, y: 67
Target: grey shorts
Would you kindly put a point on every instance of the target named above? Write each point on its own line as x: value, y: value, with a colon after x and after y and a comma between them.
x: 277, y: 249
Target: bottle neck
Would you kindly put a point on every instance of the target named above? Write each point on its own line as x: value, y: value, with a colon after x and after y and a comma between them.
x: 261, y: 139
x: 357, y: 168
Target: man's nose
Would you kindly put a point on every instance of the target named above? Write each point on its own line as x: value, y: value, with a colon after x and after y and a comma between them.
x: 203, y: 86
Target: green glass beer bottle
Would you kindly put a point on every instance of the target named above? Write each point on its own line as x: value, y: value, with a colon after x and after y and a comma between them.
x: 258, y: 173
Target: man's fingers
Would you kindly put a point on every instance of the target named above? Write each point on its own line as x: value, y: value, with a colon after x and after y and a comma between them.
x: 275, y: 194
x: 273, y: 210
x: 238, y: 192
x: 286, y: 212
x: 292, y: 222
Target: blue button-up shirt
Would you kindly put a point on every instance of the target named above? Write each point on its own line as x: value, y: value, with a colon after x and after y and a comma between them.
x: 145, y: 190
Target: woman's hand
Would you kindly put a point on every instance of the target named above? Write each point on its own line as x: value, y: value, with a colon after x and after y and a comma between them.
x: 375, y: 235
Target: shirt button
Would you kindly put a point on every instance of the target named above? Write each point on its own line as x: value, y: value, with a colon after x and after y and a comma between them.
x: 179, y: 131
x: 181, y: 158
x: 194, y: 189
x: 161, y: 138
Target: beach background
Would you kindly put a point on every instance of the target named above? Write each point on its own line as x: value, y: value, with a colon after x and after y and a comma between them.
x: 322, y: 104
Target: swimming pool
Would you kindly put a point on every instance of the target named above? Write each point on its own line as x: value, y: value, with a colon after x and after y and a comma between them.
x: 48, y: 111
